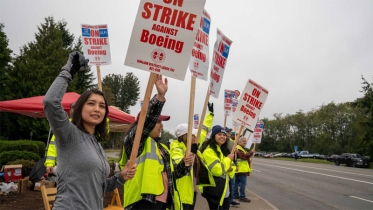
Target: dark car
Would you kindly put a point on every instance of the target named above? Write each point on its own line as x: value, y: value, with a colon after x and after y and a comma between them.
x: 331, y: 158
x: 351, y: 159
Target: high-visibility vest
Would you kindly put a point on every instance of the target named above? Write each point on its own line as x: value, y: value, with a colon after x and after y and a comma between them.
x: 218, y: 167
x: 243, y: 165
x: 148, y: 178
x: 51, y: 158
x: 185, y: 184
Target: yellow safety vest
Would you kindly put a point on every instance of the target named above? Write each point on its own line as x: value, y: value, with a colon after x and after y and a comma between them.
x: 148, y: 178
x: 185, y: 184
x: 218, y: 167
x: 243, y: 165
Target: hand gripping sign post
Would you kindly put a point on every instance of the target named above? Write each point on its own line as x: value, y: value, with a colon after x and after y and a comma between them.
x: 96, y: 47
x: 250, y: 105
x: 161, y: 41
x: 257, y: 138
x: 198, y: 65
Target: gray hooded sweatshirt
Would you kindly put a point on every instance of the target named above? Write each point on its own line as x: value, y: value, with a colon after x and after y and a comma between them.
x: 82, y: 167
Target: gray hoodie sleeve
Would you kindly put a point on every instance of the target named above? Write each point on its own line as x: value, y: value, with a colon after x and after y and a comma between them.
x: 56, y: 115
x: 114, y: 182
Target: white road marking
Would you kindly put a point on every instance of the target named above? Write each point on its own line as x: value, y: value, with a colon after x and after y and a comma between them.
x: 361, y: 199
x: 255, y: 170
x: 326, y: 169
x: 310, y: 172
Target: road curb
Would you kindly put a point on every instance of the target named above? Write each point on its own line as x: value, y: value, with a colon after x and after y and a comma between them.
x: 264, y: 200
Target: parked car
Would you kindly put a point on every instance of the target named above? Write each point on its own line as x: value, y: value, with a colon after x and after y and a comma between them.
x: 306, y: 154
x: 350, y: 159
x: 331, y: 157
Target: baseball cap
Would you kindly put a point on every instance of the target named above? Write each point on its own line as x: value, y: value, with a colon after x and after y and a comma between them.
x: 160, y: 118
x: 217, y: 129
x: 228, y: 129
x: 183, y: 129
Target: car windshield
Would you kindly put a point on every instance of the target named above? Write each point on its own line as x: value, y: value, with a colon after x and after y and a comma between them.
x: 356, y: 156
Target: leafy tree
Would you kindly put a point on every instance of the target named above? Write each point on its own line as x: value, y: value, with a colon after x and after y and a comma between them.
x: 125, y: 90
x: 5, y: 62
x: 5, y: 67
x: 365, y: 103
x: 35, y: 69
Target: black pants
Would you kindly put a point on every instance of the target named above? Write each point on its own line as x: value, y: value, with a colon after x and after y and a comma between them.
x: 226, y: 205
x: 188, y: 206
x: 145, y: 205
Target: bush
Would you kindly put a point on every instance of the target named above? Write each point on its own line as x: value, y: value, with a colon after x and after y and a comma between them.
x: 23, y: 145
x: 27, y: 165
x: 8, y: 156
x: 19, y: 146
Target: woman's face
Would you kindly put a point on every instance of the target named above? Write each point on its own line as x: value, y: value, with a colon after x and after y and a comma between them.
x: 157, y: 130
x: 93, y: 110
x: 185, y: 138
x: 220, y: 138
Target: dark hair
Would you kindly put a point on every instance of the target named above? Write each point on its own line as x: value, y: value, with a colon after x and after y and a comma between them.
x: 77, y: 120
x: 212, y: 143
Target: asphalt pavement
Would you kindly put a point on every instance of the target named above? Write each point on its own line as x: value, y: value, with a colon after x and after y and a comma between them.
x: 257, y: 203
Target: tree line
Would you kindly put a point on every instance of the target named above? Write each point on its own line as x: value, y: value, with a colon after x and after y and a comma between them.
x: 32, y: 72
x: 330, y: 129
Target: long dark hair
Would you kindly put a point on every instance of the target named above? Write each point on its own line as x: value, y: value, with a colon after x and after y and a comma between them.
x: 77, y: 120
x: 212, y: 143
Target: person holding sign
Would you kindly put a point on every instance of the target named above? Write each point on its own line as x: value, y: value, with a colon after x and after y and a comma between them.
x: 83, y: 169
x: 187, y: 185
x: 219, y: 160
x: 243, y: 159
x: 153, y: 185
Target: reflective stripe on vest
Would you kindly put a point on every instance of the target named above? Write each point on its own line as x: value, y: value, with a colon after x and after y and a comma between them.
x: 148, y: 178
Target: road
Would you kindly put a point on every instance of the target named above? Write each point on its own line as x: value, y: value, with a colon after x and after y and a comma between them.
x: 297, y: 185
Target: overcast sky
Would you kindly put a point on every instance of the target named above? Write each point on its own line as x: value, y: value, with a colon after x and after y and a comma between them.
x: 304, y: 52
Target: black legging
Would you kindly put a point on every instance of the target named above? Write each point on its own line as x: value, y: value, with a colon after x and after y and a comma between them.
x: 226, y: 205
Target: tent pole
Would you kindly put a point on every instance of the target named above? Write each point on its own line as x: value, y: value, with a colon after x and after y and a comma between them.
x: 48, y: 141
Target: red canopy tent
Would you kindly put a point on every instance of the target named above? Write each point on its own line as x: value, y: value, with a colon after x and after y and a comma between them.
x: 33, y: 107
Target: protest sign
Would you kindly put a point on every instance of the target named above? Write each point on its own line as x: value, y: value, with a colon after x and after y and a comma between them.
x: 234, y: 107
x: 199, y: 61
x: 219, y: 62
x: 258, y: 130
x: 95, y: 41
x: 163, y: 36
x: 228, y: 96
x: 161, y: 42
x: 96, y: 46
x: 250, y: 104
x: 196, y: 121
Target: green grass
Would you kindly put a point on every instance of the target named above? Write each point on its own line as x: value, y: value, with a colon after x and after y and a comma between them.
x: 112, y: 150
x: 116, y: 160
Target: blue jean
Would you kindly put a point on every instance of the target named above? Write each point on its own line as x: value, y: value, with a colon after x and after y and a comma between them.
x: 232, y: 185
x: 240, y: 183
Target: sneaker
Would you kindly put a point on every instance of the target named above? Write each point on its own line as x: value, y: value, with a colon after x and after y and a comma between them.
x: 235, y: 204
x: 246, y: 200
